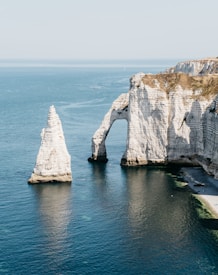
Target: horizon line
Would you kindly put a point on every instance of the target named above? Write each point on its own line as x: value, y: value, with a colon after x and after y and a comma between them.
x: 104, y: 63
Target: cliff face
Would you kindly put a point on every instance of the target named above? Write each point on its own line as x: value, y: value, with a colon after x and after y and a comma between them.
x: 196, y: 67
x: 209, y: 158
x: 53, y: 161
x: 172, y: 118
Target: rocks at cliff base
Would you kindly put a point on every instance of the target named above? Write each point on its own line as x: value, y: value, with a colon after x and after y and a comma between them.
x: 53, y: 163
x: 172, y: 118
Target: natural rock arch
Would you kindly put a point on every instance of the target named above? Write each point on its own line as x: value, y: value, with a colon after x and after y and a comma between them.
x: 118, y: 110
x: 172, y: 118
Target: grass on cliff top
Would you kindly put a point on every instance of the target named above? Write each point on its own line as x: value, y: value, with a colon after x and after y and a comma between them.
x: 169, y: 81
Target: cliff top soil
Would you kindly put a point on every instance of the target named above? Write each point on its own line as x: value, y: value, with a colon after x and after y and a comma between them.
x: 208, y: 84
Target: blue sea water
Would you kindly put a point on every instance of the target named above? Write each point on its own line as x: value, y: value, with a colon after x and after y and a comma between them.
x: 110, y: 220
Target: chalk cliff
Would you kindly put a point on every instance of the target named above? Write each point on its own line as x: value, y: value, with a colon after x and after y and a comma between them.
x: 172, y: 118
x: 196, y: 67
x: 53, y: 163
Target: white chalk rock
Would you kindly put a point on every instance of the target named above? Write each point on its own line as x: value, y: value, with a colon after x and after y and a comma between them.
x: 196, y: 67
x: 172, y: 118
x: 53, y: 163
x: 118, y: 110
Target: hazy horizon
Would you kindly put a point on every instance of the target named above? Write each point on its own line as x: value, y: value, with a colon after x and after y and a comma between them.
x: 105, y: 30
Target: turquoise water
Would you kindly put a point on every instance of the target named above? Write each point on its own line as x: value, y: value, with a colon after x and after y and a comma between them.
x: 110, y: 220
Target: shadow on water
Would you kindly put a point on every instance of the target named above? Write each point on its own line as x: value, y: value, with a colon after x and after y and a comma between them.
x: 210, y: 223
x: 53, y: 201
x: 102, y: 183
x: 149, y: 195
x: 99, y: 172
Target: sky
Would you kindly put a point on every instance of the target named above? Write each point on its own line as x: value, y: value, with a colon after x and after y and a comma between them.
x: 108, y: 29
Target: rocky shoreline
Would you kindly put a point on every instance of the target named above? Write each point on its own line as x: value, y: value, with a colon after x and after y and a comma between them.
x: 205, y: 187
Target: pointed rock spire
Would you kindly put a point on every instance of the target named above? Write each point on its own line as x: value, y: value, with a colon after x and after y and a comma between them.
x: 53, y: 163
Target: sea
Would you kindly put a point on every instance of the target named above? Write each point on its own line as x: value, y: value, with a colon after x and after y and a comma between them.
x: 110, y: 220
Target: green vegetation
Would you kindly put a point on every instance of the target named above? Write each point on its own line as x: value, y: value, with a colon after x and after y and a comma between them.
x: 180, y: 184
x: 201, y: 208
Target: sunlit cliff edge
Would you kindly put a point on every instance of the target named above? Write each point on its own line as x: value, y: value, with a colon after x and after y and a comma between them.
x: 172, y: 118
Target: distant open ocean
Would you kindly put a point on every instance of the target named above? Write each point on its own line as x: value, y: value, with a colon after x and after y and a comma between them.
x: 110, y: 220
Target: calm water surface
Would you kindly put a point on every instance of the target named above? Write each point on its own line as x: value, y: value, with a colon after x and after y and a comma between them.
x: 110, y: 220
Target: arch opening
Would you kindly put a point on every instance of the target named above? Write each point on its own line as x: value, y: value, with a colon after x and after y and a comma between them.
x: 116, y: 140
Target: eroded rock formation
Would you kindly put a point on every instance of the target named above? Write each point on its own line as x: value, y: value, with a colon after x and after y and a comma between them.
x: 172, y: 118
x: 53, y: 163
x: 118, y: 110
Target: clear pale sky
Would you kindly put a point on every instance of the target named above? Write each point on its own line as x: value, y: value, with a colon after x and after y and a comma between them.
x: 108, y: 29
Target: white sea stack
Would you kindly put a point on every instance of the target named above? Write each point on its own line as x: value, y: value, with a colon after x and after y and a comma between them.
x: 172, y: 118
x: 53, y: 163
